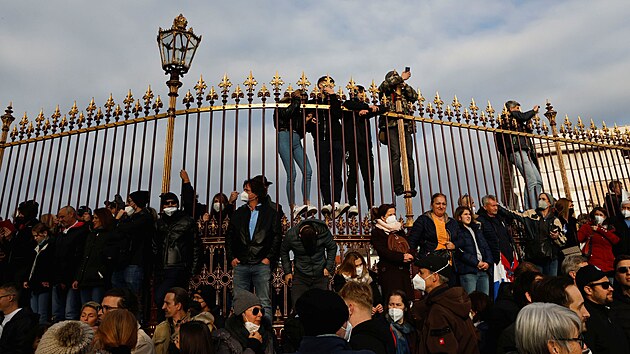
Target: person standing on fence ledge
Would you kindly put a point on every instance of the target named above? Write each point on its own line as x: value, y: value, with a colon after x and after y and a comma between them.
x: 314, y: 253
x: 325, y: 126
x: 178, y: 247
x: 358, y: 144
x: 520, y: 150
x: 252, y: 243
x: 401, y: 97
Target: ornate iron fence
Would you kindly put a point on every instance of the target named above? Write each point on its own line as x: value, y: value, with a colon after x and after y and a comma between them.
x: 223, y: 137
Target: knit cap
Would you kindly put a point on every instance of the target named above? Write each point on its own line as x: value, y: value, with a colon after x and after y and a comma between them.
x: 243, y: 300
x: 67, y: 337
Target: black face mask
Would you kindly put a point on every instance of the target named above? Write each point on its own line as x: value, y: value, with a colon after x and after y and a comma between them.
x: 571, y: 212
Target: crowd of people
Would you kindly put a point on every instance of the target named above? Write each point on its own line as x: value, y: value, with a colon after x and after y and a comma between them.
x: 84, y: 281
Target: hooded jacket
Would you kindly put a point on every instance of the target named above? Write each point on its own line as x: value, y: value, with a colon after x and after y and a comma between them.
x: 307, y: 263
x: 443, y: 322
x: 374, y: 335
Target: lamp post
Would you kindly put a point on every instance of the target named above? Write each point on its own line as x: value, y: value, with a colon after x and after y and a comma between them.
x: 177, y: 48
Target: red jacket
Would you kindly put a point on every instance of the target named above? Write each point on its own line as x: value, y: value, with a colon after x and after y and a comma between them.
x: 601, y: 245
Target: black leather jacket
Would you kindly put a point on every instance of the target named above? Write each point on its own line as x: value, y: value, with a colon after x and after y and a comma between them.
x: 177, y: 243
x: 265, y: 243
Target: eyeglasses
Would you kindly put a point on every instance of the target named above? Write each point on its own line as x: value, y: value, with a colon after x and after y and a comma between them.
x: 605, y: 285
x: 258, y: 310
x: 106, y: 308
x: 623, y: 270
x: 579, y: 339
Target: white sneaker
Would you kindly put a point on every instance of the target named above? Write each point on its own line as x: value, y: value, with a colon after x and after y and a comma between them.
x: 353, y: 211
x: 310, y: 211
x: 341, y: 209
x: 327, y: 209
x: 299, y: 210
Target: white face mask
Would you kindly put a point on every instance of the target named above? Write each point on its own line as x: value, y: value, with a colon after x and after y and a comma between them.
x: 599, y: 219
x: 129, y: 210
x: 170, y: 210
x: 391, y: 219
x: 542, y: 204
x: 474, y: 210
x: 245, y: 197
x: 251, y: 327
x: 348, y: 331
x: 359, y: 271
x: 396, y: 314
x: 217, y: 207
x: 626, y: 213
x: 418, y: 281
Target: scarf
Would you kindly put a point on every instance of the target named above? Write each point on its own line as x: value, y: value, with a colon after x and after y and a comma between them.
x: 388, y: 228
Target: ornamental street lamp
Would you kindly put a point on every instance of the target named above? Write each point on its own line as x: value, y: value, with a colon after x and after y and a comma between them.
x: 177, y: 48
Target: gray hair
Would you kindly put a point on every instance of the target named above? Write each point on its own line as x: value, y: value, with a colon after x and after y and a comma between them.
x: 487, y: 198
x: 539, y: 323
x: 572, y: 263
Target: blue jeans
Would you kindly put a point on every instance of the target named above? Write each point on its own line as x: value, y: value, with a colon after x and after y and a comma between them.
x: 258, y: 275
x: 40, y: 304
x: 292, y: 144
x: 533, y: 179
x: 549, y: 268
x: 65, y: 303
x: 93, y: 293
x: 131, y: 278
x: 475, y: 282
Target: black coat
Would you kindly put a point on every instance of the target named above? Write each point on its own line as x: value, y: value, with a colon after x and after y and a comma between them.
x: 177, y: 242
x: 373, y: 335
x: 19, y: 333
x: 623, y: 231
x: 423, y: 233
x: 92, y: 271
x: 20, y: 251
x: 290, y: 118
x: 497, y: 236
x: 621, y: 310
x: 43, y: 267
x: 265, y: 243
x: 603, y: 333
x: 134, y: 234
x: 359, y: 126
x: 328, y: 120
x: 68, y: 253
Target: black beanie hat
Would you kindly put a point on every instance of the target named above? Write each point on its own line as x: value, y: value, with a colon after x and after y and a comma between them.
x: 141, y: 198
x: 168, y: 196
x: 28, y: 209
x: 321, y: 312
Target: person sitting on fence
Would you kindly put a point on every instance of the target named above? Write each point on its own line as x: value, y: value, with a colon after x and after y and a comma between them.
x: 358, y: 146
x: 290, y: 124
x: 366, y: 332
x: 394, y: 255
x: 543, y: 234
x: 314, y: 251
x: 325, y: 126
x: 252, y: 243
x: 599, y: 238
x: 247, y: 330
x: 354, y: 269
x: 432, y: 231
x: 520, y: 150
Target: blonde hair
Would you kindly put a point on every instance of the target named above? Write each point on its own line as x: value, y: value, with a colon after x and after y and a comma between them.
x: 359, y: 293
x: 119, y: 328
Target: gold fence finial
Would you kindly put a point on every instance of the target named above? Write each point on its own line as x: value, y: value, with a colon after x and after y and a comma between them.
x: 303, y: 82
x: 351, y: 86
x: 263, y: 93
x: 276, y: 83
x: 237, y: 94
x: 212, y: 95
x: 250, y: 83
x: 374, y: 92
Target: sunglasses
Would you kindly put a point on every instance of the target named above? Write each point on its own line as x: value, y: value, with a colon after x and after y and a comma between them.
x: 623, y: 270
x: 605, y: 285
x: 258, y: 310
